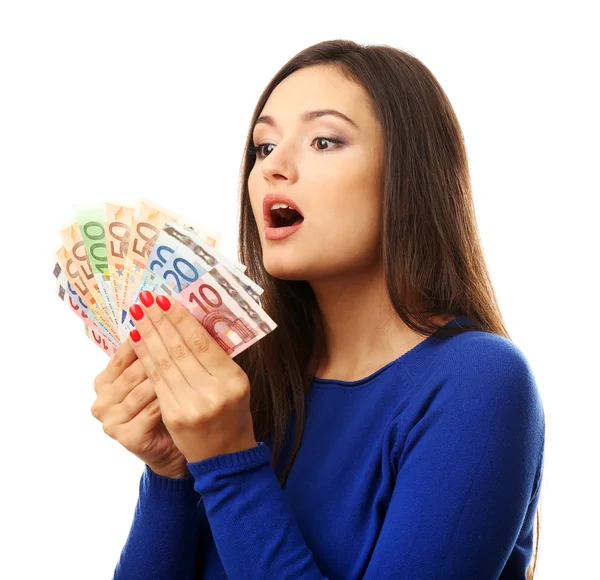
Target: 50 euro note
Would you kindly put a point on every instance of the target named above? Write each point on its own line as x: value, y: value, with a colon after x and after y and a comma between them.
x: 77, y: 282
x: 148, y: 221
x: 118, y: 220
x: 231, y: 317
x: 75, y: 249
x: 179, y: 258
x: 94, y: 328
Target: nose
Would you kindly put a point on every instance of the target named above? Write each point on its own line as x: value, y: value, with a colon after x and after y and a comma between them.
x: 278, y: 164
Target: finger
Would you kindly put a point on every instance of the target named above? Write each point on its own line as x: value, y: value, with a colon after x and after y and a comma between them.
x: 136, y: 402
x: 130, y: 378
x: 199, y: 341
x: 168, y: 381
x: 143, y: 422
x: 119, y: 361
x: 148, y: 418
x: 190, y: 367
x: 111, y: 395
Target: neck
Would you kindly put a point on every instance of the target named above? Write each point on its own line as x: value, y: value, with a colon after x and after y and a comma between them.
x: 362, y: 330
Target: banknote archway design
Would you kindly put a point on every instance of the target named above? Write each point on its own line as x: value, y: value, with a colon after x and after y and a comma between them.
x: 234, y: 323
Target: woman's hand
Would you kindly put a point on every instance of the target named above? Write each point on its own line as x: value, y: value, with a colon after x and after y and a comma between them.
x: 128, y: 409
x: 204, y: 395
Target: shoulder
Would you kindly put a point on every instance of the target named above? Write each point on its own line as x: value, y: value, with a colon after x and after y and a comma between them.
x: 480, y: 396
x: 475, y: 352
x: 484, y: 375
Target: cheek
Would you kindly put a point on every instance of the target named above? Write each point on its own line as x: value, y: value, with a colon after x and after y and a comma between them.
x: 349, y: 213
x: 255, y: 200
x: 351, y: 235
x: 354, y: 208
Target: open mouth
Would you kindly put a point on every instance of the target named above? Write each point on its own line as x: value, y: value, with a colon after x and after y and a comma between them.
x: 285, y: 217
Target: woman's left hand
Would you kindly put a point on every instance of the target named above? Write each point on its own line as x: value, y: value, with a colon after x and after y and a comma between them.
x: 204, y: 395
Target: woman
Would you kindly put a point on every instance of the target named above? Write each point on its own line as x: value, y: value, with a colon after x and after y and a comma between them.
x: 413, y: 424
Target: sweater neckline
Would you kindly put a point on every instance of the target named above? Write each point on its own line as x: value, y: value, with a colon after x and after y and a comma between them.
x: 402, y: 358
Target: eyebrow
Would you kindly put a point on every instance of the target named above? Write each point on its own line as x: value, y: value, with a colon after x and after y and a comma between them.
x: 308, y: 116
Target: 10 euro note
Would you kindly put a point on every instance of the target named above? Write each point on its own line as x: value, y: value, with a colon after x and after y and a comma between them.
x: 230, y: 316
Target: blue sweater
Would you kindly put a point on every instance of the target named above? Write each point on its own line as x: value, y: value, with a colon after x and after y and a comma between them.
x: 428, y: 469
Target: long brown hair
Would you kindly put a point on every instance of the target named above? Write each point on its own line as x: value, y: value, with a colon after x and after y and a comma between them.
x: 430, y: 247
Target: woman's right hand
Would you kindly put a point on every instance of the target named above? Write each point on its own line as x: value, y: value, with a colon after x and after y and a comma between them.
x: 128, y: 409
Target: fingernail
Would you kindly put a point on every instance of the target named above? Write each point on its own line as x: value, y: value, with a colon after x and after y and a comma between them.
x: 163, y: 302
x: 146, y: 298
x: 136, y: 312
x: 135, y: 335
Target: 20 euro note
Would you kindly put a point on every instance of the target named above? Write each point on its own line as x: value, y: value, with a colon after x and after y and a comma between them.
x: 179, y: 257
x: 167, y: 271
x: 212, y: 256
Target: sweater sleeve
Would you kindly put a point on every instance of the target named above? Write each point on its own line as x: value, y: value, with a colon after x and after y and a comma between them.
x: 467, y: 469
x: 253, y: 526
x: 168, y: 520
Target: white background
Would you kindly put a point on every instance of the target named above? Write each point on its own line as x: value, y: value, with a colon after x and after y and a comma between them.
x: 115, y: 100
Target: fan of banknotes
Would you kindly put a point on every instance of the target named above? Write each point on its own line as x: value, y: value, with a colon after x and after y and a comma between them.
x: 111, y: 252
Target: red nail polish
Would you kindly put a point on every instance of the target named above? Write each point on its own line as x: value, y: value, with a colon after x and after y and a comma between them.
x: 136, y: 312
x: 163, y: 302
x: 146, y: 298
x: 135, y: 335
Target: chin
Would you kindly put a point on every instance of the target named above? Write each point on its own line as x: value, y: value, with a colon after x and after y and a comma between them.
x: 285, y: 269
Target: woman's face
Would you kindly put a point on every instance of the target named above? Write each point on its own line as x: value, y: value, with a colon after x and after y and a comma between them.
x: 335, y: 185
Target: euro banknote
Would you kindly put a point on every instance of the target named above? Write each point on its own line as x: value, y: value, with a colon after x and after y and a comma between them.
x: 111, y: 252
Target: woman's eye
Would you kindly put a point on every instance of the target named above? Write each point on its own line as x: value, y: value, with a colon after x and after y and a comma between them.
x: 258, y: 150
